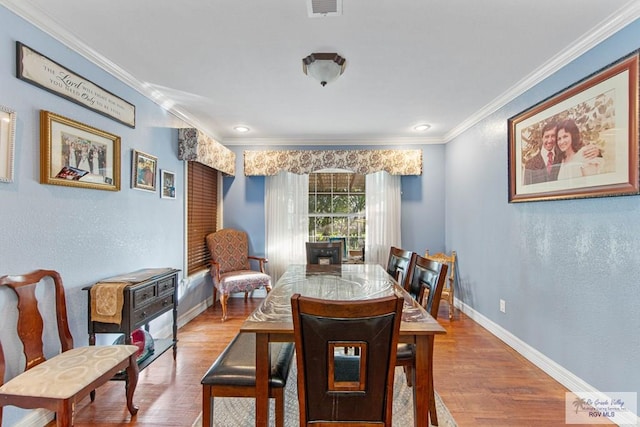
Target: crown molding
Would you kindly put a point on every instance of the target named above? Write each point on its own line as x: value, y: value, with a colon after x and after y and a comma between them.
x: 598, y: 34
x: 330, y: 142
x: 606, y: 28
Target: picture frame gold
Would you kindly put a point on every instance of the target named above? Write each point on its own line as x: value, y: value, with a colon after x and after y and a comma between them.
x: 74, y: 154
x: 591, y: 130
x: 144, y: 171
x: 7, y: 143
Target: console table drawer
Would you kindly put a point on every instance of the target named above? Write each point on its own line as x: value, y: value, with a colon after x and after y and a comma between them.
x: 167, y: 285
x: 156, y: 307
x: 144, y: 295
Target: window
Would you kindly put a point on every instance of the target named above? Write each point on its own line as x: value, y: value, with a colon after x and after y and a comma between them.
x: 337, y: 208
x: 202, y: 209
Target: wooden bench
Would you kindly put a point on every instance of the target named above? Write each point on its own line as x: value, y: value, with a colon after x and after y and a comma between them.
x: 233, y: 374
x: 59, y: 381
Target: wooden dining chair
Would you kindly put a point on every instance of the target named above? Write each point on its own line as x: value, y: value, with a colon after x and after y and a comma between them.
x: 324, y: 253
x: 448, y: 291
x: 426, y: 284
x: 335, y: 389
x: 56, y: 380
x: 400, y: 265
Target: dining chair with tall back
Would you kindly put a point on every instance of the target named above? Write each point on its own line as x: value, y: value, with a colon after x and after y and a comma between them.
x: 324, y: 253
x: 231, y: 266
x: 54, y: 373
x: 447, y: 292
x: 426, y: 285
x: 334, y: 389
x: 400, y: 264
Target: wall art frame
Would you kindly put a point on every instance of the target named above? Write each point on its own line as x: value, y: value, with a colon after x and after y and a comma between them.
x: 168, y: 182
x: 74, y: 154
x: 591, y: 129
x: 7, y: 143
x: 38, y: 70
x: 144, y: 171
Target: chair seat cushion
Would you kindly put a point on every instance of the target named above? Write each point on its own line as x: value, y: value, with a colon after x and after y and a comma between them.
x: 242, y: 280
x: 236, y: 365
x: 63, y: 376
x: 406, y: 351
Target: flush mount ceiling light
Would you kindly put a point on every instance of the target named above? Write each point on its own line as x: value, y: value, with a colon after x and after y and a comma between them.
x: 324, y: 67
x: 422, y: 127
x: 241, y: 129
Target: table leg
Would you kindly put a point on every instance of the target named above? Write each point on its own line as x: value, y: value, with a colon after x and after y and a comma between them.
x: 262, y: 380
x: 421, y: 386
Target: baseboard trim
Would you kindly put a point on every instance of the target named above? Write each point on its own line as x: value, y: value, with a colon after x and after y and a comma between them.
x: 556, y: 371
x: 565, y: 377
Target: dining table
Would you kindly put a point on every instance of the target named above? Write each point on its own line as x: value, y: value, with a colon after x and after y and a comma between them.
x: 271, y: 321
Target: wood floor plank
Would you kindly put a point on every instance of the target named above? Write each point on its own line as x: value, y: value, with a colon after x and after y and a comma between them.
x: 481, y: 380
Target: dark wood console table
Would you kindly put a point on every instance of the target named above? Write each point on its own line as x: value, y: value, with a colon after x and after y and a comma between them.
x: 148, y: 293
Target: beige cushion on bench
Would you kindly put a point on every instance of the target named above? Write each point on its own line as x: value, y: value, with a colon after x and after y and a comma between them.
x: 64, y: 375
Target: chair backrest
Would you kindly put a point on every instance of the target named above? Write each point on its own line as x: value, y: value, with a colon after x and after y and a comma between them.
x: 324, y: 252
x: 230, y: 249
x: 400, y: 265
x: 450, y: 260
x: 336, y: 388
x: 426, y: 284
x: 31, y: 322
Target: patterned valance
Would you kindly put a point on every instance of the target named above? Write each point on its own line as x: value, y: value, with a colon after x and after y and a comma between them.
x: 395, y: 162
x: 195, y: 146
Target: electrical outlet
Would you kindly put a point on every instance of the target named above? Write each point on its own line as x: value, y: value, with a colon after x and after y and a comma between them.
x: 503, y: 306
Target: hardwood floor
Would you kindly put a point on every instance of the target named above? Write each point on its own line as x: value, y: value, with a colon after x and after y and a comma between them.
x: 482, y: 381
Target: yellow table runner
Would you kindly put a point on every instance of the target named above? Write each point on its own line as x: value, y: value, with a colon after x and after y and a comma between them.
x: 107, y: 296
x: 107, y: 299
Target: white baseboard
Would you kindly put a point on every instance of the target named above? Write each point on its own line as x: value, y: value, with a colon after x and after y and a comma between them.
x: 572, y: 382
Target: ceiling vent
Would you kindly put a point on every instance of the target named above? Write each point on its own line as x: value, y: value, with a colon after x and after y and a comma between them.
x: 322, y: 8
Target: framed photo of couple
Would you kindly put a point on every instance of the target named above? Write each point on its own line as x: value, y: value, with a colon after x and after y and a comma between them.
x: 581, y: 142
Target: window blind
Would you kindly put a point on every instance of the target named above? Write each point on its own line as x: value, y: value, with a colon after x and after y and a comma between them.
x: 202, y: 209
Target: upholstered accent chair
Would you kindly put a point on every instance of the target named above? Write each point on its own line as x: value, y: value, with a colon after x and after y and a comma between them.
x: 57, y: 381
x: 231, y: 266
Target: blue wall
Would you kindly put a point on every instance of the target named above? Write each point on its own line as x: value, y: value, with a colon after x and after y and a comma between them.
x: 84, y: 234
x: 568, y: 270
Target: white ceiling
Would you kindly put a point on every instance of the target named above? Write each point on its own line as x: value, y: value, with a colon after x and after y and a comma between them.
x: 221, y: 63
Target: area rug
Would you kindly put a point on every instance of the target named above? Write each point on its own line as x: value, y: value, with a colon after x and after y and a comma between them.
x: 240, y: 412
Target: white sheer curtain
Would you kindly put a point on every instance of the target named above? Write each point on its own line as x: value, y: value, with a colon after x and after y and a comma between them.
x: 383, y: 216
x: 287, y: 221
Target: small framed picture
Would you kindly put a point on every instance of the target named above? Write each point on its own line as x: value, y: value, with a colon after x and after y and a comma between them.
x: 7, y: 143
x: 144, y: 170
x: 168, y: 180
